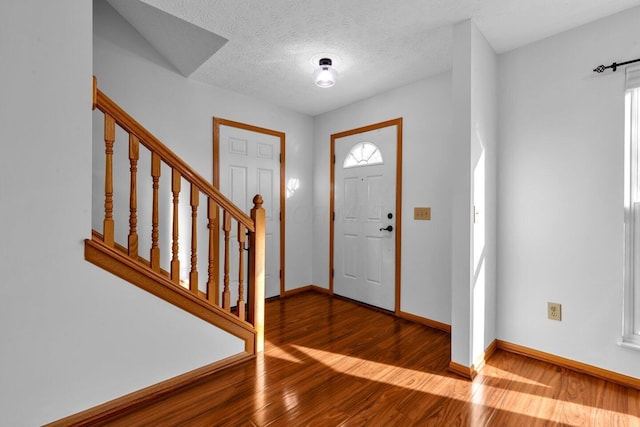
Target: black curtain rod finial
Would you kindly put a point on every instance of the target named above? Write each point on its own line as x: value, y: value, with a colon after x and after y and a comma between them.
x: 614, y: 66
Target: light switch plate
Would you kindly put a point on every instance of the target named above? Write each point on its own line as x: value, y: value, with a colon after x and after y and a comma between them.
x: 423, y: 214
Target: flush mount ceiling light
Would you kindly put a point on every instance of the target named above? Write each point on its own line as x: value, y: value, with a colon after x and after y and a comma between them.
x: 325, y: 75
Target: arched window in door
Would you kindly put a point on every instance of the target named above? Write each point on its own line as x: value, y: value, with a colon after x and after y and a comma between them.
x: 363, y: 154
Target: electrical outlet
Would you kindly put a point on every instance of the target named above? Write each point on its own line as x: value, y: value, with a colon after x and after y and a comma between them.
x: 554, y: 311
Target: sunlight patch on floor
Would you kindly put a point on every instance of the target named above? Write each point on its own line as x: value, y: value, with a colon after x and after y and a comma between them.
x: 547, y: 408
x: 290, y: 399
x: 280, y: 353
x: 490, y: 371
x: 379, y: 372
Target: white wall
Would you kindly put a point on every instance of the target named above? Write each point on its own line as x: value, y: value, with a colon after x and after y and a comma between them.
x: 425, y: 107
x: 484, y: 145
x: 180, y: 113
x: 560, y: 193
x: 72, y: 335
x: 461, y: 272
x: 474, y: 207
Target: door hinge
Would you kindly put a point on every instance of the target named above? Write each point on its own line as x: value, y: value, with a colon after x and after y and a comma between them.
x: 334, y: 159
x: 280, y: 215
x: 332, y: 273
x: 280, y: 156
x: 280, y: 274
x: 333, y: 216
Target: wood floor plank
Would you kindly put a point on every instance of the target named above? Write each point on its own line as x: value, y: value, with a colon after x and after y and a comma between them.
x: 331, y: 362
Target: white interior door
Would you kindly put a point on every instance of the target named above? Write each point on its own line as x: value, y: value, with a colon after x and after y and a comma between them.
x: 249, y: 164
x: 365, y: 217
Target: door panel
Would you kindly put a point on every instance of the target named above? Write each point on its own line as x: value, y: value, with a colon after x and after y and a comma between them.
x: 374, y: 258
x: 238, y: 186
x: 350, y: 256
x: 375, y: 197
x: 265, y: 188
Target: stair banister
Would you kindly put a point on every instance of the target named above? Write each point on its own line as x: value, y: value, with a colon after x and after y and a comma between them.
x: 123, y: 259
x: 126, y: 122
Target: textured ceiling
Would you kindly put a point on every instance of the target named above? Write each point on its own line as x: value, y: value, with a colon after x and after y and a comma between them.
x: 274, y: 46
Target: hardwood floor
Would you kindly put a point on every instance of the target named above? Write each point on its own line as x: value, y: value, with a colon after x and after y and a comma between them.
x: 331, y: 362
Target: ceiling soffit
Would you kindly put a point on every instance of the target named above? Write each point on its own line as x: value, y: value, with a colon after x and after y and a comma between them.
x: 185, y: 45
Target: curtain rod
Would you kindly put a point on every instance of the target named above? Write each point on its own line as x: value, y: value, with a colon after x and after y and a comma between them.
x: 601, y: 68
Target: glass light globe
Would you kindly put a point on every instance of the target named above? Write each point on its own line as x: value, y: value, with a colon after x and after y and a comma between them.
x: 325, y: 75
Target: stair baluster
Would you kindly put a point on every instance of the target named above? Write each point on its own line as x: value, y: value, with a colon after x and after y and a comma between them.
x: 226, y: 293
x: 241, y: 237
x: 109, y: 139
x: 155, y: 234
x: 175, y: 261
x: 193, y: 275
x: 212, y: 280
x: 134, y: 156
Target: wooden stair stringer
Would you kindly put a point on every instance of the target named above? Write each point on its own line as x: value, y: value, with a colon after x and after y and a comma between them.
x: 119, y: 264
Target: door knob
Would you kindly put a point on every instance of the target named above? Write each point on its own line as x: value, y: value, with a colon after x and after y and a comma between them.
x: 387, y: 228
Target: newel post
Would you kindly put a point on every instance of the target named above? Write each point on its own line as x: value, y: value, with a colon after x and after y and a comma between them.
x: 257, y: 271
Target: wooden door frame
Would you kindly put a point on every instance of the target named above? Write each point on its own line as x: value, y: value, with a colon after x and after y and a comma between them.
x: 398, y: 224
x: 217, y: 122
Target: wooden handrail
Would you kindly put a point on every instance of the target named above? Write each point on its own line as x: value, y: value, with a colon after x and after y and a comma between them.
x: 129, y: 124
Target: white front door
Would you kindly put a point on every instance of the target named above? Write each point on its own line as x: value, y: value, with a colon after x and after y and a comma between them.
x: 365, y: 217
x: 249, y: 164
